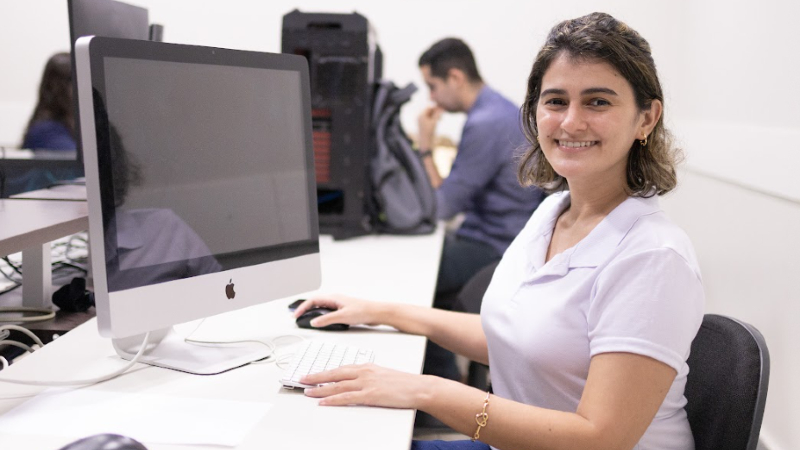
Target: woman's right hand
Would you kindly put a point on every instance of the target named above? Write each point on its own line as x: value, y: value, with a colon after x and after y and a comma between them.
x: 348, y: 310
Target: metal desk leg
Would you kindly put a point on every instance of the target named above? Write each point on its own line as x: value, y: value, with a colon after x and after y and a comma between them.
x: 37, y: 278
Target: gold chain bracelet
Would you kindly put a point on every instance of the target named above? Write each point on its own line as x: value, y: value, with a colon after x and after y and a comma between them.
x: 481, y: 419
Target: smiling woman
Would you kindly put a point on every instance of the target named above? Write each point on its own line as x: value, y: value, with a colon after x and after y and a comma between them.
x: 588, y: 122
x: 627, y: 63
x: 589, y: 318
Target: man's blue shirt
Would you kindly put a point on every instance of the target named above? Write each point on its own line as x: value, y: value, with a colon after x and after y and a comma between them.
x: 483, y: 179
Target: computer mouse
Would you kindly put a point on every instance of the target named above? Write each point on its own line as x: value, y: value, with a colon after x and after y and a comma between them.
x: 105, y: 442
x: 304, y: 321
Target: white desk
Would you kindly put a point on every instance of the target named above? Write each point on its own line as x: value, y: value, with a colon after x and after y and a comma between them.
x: 392, y: 268
x: 28, y: 226
x: 72, y: 192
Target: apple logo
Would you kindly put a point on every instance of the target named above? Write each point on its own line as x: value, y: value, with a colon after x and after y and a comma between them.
x: 229, y: 292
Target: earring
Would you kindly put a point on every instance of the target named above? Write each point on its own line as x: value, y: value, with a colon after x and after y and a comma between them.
x: 643, y: 142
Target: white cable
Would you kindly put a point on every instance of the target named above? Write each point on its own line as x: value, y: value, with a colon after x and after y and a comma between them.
x: 23, y: 330
x: 281, y: 361
x: 89, y: 381
x: 202, y: 321
x: 267, y: 358
x: 44, y: 314
x: 4, y: 362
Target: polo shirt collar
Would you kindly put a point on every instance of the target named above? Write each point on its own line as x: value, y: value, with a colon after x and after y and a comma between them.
x: 592, y: 250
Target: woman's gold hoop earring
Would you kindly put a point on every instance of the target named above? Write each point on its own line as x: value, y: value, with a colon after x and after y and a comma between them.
x: 643, y: 142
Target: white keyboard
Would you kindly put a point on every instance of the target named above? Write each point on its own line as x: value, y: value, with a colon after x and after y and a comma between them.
x: 319, y: 356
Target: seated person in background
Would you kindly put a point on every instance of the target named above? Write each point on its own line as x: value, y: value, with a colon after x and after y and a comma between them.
x: 51, y: 127
x: 482, y: 182
x: 52, y: 124
x: 589, y: 318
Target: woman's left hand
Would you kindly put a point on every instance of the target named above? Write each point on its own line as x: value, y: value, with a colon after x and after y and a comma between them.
x: 368, y: 384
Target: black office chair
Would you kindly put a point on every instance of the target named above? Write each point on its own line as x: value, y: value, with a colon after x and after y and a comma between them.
x: 727, y: 384
x: 469, y: 299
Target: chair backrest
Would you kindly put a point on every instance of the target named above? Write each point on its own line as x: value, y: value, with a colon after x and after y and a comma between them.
x: 470, y: 296
x: 727, y: 384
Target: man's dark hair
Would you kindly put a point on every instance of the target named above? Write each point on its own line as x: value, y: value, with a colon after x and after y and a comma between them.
x: 450, y: 53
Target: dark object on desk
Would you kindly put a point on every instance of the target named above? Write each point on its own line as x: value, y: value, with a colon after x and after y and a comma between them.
x: 726, y: 388
x: 20, y: 174
x: 105, y: 442
x: 343, y: 63
x: 404, y: 201
x: 304, y: 321
x: 74, y: 297
x: 295, y: 304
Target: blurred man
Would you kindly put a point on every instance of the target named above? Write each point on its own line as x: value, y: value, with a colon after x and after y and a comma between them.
x: 482, y: 183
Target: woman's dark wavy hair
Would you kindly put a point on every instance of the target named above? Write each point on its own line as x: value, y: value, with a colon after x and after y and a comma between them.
x: 601, y: 37
x: 55, y: 94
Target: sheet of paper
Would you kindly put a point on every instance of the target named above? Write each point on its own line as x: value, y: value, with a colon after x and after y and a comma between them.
x: 147, y: 418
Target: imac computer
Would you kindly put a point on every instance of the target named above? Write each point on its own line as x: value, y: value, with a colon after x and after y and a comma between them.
x: 201, y: 192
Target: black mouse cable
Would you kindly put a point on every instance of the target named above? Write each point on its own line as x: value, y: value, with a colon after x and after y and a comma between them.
x: 85, y: 382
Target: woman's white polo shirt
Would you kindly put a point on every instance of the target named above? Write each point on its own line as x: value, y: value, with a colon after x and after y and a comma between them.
x: 632, y: 285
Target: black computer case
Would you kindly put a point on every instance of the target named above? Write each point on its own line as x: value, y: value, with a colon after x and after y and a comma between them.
x: 344, y: 62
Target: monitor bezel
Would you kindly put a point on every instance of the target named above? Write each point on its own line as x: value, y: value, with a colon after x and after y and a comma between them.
x: 118, y: 312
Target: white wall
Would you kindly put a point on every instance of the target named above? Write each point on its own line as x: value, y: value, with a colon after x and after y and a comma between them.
x: 505, y: 36
x: 747, y: 244
x: 735, y: 104
x: 730, y: 71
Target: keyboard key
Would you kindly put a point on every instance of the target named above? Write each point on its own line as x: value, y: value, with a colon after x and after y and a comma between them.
x: 319, y: 356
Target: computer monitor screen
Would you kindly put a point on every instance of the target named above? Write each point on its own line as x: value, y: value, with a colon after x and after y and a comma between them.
x: 108, y: 18
x: 200, y: 182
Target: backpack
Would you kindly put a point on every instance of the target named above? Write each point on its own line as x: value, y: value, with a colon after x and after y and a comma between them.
x: 403, y: 200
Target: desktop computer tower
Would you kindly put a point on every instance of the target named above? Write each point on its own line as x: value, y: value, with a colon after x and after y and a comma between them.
x: 344, y: 62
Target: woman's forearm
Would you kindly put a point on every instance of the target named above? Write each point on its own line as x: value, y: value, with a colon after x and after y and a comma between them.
x: 458, y: 332
x: 508, y: 424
